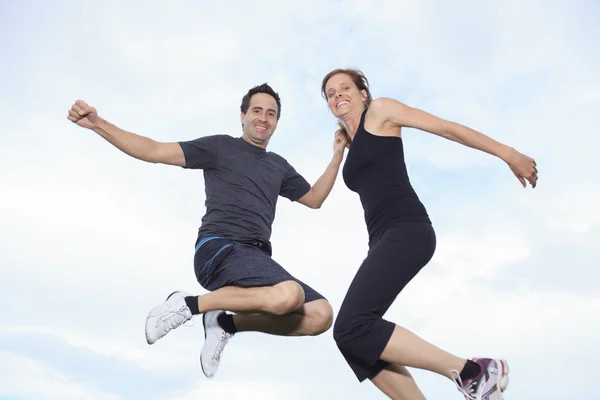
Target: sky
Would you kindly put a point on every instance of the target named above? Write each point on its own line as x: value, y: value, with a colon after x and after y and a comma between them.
x: 92, y: 239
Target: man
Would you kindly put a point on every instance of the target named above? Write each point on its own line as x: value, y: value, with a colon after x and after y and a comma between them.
x: 233, y: 252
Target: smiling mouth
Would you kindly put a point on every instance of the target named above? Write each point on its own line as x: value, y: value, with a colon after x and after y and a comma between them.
x: 260, y: 128
x: 342, y: 103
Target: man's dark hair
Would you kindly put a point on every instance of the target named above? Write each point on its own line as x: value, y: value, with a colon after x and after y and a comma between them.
x: 264, y: 88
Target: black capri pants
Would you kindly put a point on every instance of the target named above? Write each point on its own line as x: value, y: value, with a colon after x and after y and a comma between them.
x: 393, y: 260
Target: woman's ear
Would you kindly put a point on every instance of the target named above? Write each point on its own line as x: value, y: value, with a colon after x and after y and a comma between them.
x: 365, y: 95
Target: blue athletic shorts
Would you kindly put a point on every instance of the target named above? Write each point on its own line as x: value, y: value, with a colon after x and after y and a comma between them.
x: 220, y: 262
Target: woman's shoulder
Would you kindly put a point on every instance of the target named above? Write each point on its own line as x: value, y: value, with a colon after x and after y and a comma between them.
x: 387, y: 108
x: 385, y: 105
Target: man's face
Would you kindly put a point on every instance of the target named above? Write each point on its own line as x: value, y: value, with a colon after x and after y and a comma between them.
x: 260, y: 120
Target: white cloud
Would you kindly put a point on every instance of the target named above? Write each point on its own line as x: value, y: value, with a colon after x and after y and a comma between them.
x: 25, y: 378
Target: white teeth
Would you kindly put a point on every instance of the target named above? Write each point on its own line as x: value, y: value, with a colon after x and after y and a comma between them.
x: 341, y: 103
x: 260, y: 127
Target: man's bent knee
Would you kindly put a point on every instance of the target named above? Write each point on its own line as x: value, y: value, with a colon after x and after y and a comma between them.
x: 320, y: 314
x: 287, y: 297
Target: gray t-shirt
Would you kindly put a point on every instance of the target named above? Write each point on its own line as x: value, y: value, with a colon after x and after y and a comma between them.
x: 242, y: 185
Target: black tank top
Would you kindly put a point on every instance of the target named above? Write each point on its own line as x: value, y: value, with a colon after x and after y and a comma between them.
x: 375, y: 169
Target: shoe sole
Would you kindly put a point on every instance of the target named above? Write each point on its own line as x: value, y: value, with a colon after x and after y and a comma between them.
x: 175, y: 292
x: 201, y: 365
x: 503, y: 380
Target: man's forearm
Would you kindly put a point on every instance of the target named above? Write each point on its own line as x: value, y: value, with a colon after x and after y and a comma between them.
x: 324, y: 184
x: 136, y: 146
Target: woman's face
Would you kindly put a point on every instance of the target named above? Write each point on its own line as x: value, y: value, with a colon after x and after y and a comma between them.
x: 343, y: 95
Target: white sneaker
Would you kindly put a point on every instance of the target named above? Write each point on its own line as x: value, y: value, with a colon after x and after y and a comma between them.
x: 215, y: 339
x: 166, y: 316
x: 490, y: 384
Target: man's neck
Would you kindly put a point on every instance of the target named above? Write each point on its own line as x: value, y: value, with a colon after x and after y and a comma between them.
x: 260, y: 145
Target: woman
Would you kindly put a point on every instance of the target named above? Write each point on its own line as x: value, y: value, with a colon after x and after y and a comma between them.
x: 401, y: 242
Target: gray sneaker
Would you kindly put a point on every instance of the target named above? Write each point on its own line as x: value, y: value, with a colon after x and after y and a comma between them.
x: 489, y: 384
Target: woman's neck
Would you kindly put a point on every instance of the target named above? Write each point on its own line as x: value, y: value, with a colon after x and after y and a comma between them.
x: 351, y: 121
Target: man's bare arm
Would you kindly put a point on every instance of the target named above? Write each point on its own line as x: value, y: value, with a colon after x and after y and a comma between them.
x: 134, y: 145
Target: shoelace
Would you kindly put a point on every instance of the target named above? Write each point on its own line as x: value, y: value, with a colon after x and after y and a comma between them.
x: 172, y: 319
x: 468, y: 390
x: 224, y: 339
